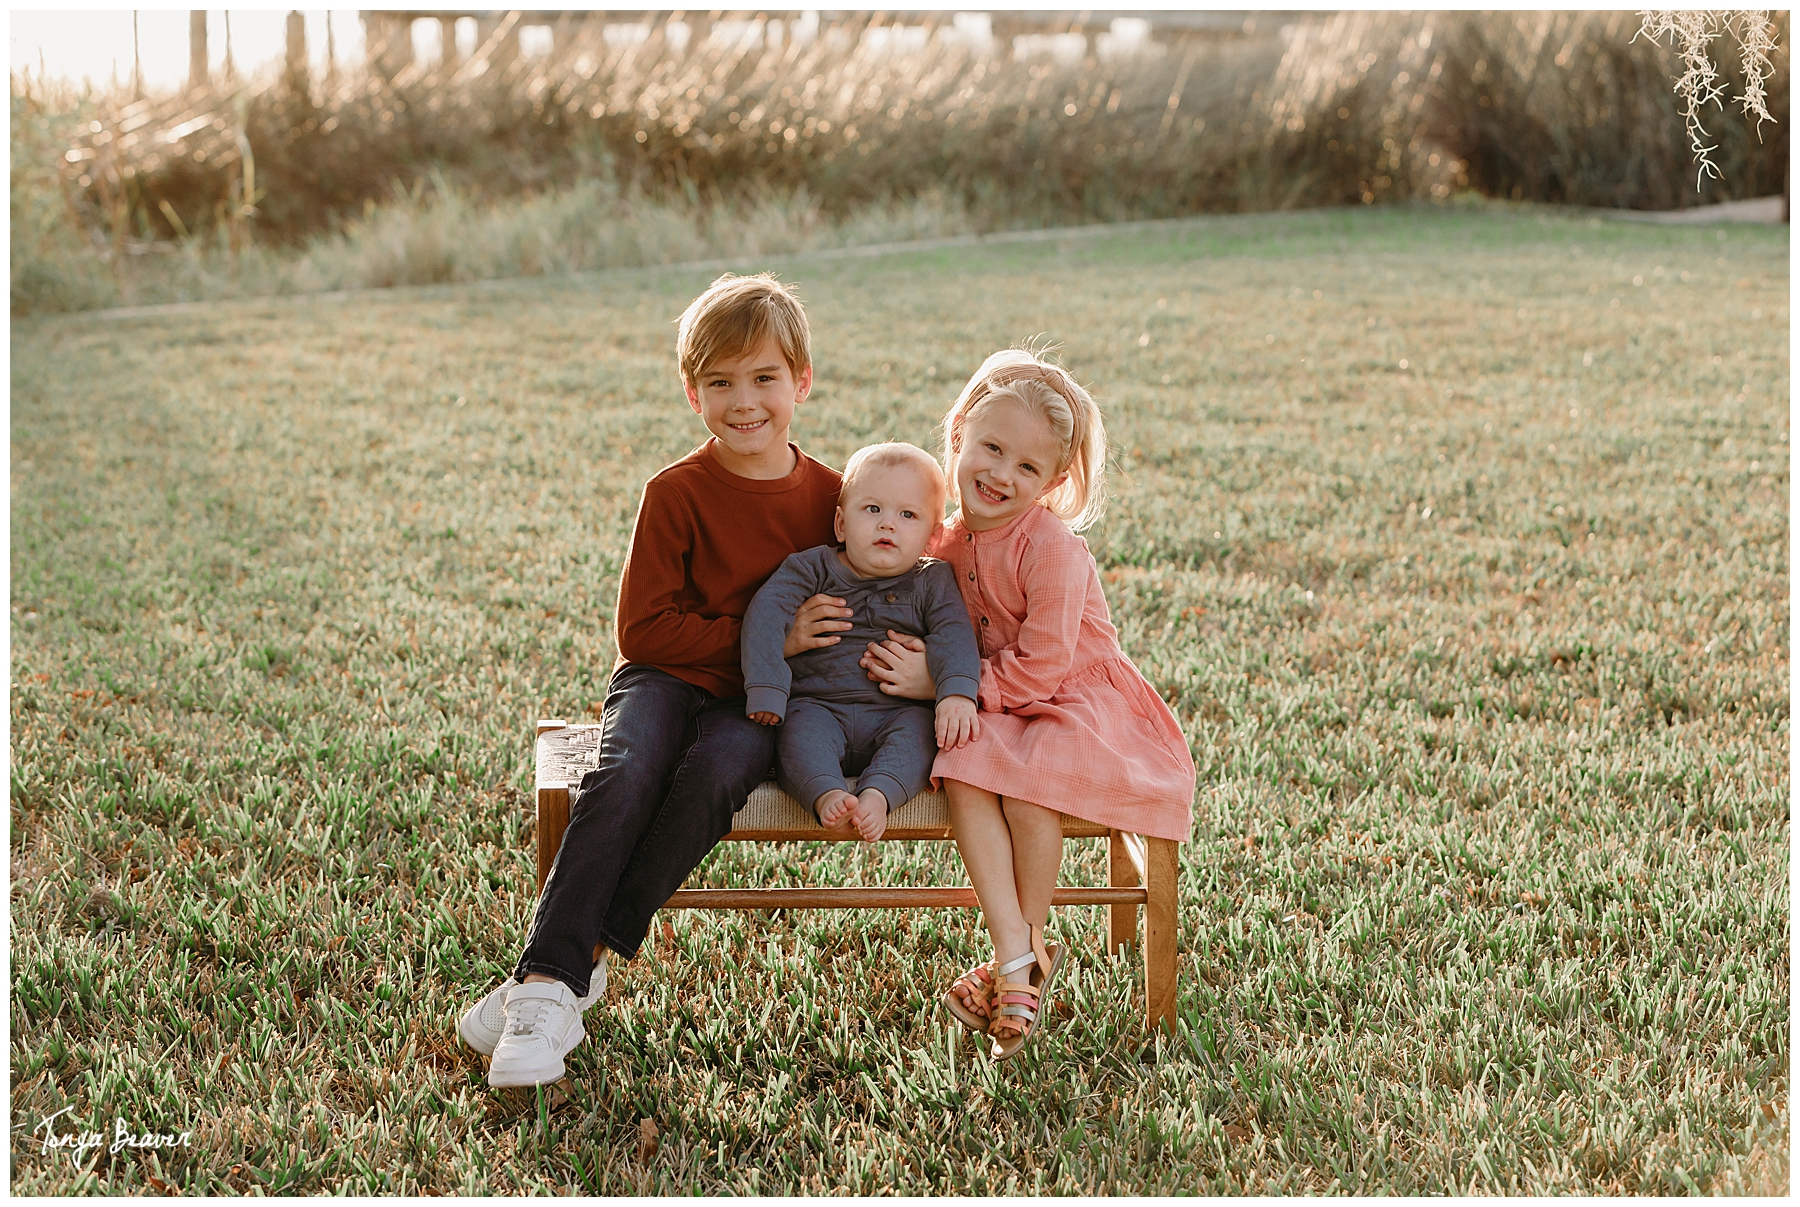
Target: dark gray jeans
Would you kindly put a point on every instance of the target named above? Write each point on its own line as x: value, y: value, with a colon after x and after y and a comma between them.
x: 675, y: 763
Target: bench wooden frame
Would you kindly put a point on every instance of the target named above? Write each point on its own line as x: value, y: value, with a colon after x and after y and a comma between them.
x: 1140, y: 871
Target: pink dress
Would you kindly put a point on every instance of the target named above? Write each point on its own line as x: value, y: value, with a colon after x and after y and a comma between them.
x: 1067, y: 721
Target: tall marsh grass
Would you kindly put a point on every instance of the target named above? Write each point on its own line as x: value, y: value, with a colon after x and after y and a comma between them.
x: 609, y: 154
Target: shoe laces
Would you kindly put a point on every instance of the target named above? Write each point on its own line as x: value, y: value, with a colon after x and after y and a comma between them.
x: 530, y: 1017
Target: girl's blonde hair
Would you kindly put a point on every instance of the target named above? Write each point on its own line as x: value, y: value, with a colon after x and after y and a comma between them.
x: 1048, y: 391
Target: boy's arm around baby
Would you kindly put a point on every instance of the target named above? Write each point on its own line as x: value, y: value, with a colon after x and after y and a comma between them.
x: 767, y: 679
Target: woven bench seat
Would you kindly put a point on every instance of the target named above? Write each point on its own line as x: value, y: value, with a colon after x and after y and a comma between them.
x: 1140, y: 871
x: 772, y: 815
x: 568, y: 752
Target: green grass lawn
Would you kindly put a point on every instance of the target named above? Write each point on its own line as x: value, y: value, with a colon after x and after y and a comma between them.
x: 1457, y: 541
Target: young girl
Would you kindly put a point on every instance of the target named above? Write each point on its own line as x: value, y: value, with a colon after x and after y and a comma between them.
x: 1067, y: 724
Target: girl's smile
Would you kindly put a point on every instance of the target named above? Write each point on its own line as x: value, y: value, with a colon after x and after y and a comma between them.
x: 1008, y: 460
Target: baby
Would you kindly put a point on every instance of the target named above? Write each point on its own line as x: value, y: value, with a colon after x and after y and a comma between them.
x: 838, y: 721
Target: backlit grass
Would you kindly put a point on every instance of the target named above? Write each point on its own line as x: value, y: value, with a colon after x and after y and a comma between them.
x: 1456, y: 540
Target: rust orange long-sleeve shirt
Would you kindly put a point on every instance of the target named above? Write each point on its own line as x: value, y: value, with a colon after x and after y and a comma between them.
x: 705, y: 540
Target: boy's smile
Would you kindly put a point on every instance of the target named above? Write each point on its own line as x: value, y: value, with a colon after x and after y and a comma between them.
x: 886, y: 519
x: 1006, y: 464
x: 747, y: 402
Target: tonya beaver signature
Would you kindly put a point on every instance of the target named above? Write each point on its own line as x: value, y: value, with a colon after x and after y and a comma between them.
x: 82, y: 1144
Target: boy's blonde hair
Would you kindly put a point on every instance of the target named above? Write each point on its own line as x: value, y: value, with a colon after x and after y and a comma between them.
x: 897, y: 453
x: 1048, y: 391
x: 735, y: 315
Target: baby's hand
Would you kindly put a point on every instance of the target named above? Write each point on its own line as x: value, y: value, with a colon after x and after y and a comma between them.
x: 957, y: 722
x: 765, y: 718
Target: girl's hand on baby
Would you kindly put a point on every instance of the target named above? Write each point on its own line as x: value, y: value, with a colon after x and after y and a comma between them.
x: 957, y: 722
x: 765, y: 718
x: 898, y: 665
x: 816, y: 625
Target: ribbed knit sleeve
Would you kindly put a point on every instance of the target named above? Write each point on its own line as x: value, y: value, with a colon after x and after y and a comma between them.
x: 654, y: 626
x: 767, y: 677
x: 950, y: 649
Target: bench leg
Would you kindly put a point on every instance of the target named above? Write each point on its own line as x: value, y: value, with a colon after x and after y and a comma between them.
x: 552, y: 821
x: 1162, y: 864
x: 1121, y: 920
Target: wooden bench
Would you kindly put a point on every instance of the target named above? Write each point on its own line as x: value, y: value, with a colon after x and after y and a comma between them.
x: 1140, y: 871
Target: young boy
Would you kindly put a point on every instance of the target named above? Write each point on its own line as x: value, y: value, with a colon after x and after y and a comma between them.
x: 678, y: 756
x: 833, y: 717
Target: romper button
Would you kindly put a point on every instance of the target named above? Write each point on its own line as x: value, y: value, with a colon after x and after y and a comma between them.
x: 968, y: 536
x: 984, y: 620
x: 891, y: 597
x: 971, y: 576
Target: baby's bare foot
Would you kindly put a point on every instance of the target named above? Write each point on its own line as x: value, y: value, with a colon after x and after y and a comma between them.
x: 836, y: 810
x: 871, y: 814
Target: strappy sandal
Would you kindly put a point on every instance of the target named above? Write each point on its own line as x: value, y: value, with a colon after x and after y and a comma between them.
x: 981, y: 980
x: 1019, y: 1003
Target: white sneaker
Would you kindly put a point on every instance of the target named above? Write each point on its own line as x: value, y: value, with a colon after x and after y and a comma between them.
x: 543, y: 1025
x: 481, y: 1025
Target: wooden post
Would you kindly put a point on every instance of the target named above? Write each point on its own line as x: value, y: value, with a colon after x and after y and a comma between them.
x: 497, y: 39
x: 1162, y: 859
x: 1121, y: 920
x: 137, y: 60
x: 1007, y: 25
x: 388, y: 41
x: 552, y: 821
x: 849, y: 27
x: 700, y: 27
x: 198, y: 72
x: 295, y: 70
